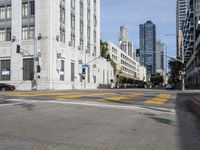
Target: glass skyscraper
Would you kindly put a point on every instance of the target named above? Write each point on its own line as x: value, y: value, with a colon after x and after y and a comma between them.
x: 148, y: 47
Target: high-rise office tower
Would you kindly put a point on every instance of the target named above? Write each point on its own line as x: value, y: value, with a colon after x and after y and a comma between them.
x: 148, y: 47
x: 181, y: 10
x: 125, y: 44
x: 160, y: 48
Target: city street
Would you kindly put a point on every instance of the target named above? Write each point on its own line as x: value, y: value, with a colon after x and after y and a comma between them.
x: 98, y: 120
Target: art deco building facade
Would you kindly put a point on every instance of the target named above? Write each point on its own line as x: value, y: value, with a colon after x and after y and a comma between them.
x: 60, y: 36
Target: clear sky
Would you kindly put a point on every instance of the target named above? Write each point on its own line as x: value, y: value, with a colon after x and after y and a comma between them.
x: 131, y: 13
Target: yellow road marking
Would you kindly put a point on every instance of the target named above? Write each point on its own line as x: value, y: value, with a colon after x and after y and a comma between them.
x: 82, y: 95
x: 158, y: 100
x: 33, y: 94
x: 123, y: 97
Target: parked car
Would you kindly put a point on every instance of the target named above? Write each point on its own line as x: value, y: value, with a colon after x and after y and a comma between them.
x: 6, y: 87
x: 169, y: 87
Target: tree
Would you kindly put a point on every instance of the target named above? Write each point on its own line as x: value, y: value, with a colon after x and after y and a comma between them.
x: 156, y: 80
x: 104, y: 49
x: 175, y: 67
x: 104, y: 54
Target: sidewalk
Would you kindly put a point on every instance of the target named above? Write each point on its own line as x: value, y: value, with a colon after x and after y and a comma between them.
x: 194, y: 104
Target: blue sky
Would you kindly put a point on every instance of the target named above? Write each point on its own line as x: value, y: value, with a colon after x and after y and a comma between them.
x: 131, y: 13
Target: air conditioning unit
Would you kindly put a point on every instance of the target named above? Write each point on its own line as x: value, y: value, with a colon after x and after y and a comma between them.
x: 70, y: 43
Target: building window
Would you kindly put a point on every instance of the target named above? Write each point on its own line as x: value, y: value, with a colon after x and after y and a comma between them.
x: 28, y: 32
x: 81, y: 44
x: 81, y: 27
x: 95, y: 21
x: 95, y: 6
x: 73, y: 40
x: 8, y: 34
x: 25, y: 9
x: 2, y: 35
x: 88, y: 16
x: 5, y: 70
x: 95, y: 37
x: 81, y: 8
x: 73, y: 21
x: 62, y: 15
x: 5, y: 34
x: 28, y: 69
x: 8, y: 12
x: 72, y: 72
x: 31, y: 32
x: 28, y: 9
x: 2, y: 12
x: 62, y: 21
x: 24, y: 33
x: 62, y: 36
x: 73, y: 4
x: 32, y: 8
x: 62, y: 71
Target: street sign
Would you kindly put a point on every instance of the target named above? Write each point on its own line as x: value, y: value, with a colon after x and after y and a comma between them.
x: 85, y: 66
x: 37, y: 59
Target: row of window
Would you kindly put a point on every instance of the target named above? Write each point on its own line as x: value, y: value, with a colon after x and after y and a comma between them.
x: 5, y: 12
x: 28, y: 71
x: 28, y: 9
x: 5, y: 34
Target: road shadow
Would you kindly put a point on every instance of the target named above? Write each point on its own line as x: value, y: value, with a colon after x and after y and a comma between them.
x: 27, y: 106
x: 188, y: 124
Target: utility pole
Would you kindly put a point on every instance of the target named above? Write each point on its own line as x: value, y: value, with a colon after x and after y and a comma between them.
x: 183, y: 61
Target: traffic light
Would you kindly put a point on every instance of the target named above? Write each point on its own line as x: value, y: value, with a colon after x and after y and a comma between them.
x: 83, y: 73
x: 137, y: 52
x: 38, y: 69
x: 18, y: 49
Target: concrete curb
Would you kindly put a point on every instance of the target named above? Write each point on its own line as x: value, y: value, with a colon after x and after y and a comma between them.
x: 194, y: 105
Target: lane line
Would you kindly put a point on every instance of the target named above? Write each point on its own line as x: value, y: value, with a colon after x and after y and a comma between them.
x: 158, y: 100
x: 97, y: 104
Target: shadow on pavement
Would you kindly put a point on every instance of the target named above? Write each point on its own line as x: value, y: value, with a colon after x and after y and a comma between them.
x: 188, y: 125
x: 27, y: 106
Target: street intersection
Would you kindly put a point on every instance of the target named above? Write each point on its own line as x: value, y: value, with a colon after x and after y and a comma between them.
x: 97, y: 120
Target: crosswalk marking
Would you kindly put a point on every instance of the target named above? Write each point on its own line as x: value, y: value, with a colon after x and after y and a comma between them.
x: 82, y: 95
x: 33, y: 94
x: 104, y: 96
x: 123, y: 97
x: 158, y: 100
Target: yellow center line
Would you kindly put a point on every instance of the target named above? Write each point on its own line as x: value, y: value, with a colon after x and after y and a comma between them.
x: 158, y: 100
x: 82, y: 95
x: 123, y: 97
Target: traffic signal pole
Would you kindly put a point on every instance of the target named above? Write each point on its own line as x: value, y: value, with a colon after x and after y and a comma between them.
x: 182, y: 61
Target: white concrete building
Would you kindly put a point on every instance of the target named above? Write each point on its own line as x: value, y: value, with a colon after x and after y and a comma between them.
x: 61, y: 35
x: 126, y: 65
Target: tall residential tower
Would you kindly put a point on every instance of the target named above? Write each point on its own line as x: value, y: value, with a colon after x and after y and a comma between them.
x: 181, y: 10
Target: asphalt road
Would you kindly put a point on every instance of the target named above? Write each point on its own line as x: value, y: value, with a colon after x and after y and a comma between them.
x: 97, y: 120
